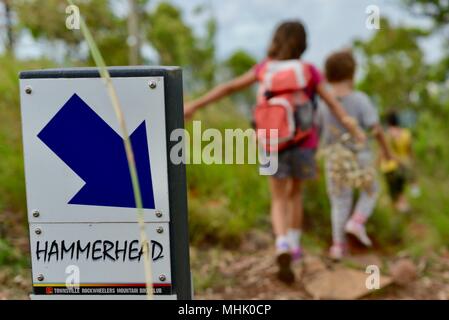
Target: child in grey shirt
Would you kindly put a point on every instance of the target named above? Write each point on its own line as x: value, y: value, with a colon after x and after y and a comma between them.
x: 340, y: 70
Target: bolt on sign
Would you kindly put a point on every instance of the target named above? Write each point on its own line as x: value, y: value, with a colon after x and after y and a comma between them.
x: 81, y: 209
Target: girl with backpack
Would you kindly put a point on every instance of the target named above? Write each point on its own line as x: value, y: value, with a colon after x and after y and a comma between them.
x: 286, y: 102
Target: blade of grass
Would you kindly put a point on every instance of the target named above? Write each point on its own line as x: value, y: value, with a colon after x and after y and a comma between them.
x: 104, y: 73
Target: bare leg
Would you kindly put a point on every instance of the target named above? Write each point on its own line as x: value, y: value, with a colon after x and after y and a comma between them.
x: 279, y: 205
x: 295, y: 212
x: 402, y: 204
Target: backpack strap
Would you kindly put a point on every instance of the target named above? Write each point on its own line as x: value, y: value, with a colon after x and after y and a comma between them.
x: 275, y: 67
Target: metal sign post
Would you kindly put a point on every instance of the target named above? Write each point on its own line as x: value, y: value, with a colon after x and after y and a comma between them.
x: 82, y: 214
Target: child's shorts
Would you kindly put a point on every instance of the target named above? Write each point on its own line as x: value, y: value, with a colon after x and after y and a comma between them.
x: 396, y: 181
x: 296, y: 162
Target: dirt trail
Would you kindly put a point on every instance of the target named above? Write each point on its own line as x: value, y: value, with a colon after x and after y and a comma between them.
x: 249, y: 273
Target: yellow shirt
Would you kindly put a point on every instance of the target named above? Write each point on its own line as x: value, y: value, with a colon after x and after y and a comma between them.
x: 400, y: 146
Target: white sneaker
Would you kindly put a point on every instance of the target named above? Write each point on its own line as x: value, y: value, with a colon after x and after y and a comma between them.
x: 358, y: 230
x: 415, y: 191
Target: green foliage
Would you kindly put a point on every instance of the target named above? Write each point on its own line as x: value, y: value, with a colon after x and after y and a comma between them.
x: 240, y: 62
x: 237, y: 64
x: 437, y: 10
x: 396, y: 75
x: 46, y: 20
x: 170, y: 36
x: 12, y: 188
x: 388, y: 55
x: 431, y: 144
x: 10, y: 255
x: 163, y: 28
x: 177, y: 44
x: 225, y: 201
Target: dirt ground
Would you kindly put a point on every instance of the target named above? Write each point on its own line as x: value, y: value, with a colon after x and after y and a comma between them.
x: 249, y: 273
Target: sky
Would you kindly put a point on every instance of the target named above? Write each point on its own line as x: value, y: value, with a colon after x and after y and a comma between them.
x: 331, y: 24
x: 249, y: 24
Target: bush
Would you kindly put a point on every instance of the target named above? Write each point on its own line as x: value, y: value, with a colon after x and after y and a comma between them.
x: 225, y: 201
x: 12, y: 181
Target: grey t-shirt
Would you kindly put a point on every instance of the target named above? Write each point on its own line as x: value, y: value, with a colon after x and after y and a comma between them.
x: 357, y: 105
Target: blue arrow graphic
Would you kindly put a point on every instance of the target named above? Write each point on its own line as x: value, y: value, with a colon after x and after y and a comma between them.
x: 96, y: 153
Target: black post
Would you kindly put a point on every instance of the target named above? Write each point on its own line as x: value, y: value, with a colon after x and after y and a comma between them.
x: 179, y: 237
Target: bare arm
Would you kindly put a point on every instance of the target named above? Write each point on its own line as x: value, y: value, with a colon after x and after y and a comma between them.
x: 378, y: 133
x: 221, y: 91
x: 340, y: 113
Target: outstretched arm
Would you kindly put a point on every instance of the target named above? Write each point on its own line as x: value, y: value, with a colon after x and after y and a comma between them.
x: 340, y: 113
x: 378, y: 133
x: 221, y: 91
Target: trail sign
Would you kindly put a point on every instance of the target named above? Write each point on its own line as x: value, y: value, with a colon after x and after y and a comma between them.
x: 81, y: 205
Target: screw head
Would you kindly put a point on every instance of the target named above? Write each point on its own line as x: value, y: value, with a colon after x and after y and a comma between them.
x: 40, y: 277
x: 28, y: 90
x: 158, y: 213
x: 162, y: 277
x: 38, y: 231
x: 36, y: 213
x: 152, y: 84
x: 160, y: 230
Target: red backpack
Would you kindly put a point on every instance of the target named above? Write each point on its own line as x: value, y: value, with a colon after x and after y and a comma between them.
x: 283, y: 104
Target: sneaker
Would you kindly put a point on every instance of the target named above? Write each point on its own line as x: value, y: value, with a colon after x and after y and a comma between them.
x: 337, y: 252
x: 358, y: 230
x: 415, y: 191
x: 296, y: 254
x: 285, y: 272
x: 282, y: 247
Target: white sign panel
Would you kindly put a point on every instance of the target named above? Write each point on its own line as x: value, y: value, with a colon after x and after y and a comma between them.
x: 98, y: 259
x: 75, y: 162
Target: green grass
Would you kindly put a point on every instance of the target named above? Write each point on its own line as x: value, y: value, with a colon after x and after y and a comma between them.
x: 12, y: 182
x: 11, y: 256
x: 225, y: 200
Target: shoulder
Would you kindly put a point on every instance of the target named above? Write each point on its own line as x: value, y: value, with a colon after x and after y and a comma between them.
x: 310, y: 67
x: 362, y: 98
x: 360, y: 95
x: 313, y: 72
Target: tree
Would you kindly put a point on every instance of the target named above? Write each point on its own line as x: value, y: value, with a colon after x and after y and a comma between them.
x: 170, y: 35
x: 120, y: 38
x: 10, y: 36
x: 177, y: 44
x: 395, y: 72
x: 46, y: 20
x: 437, y: 10
x: 237, y: 64
x: 134, y: 40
